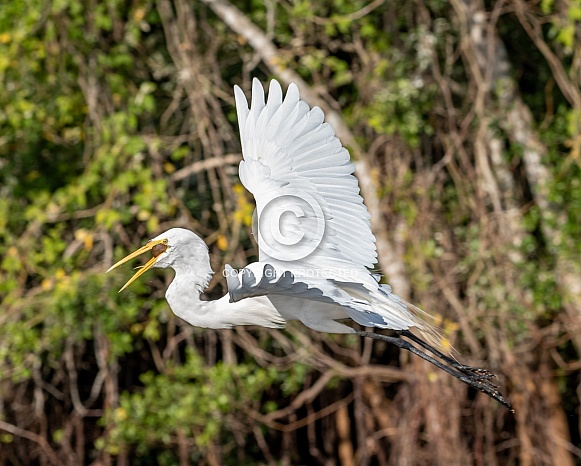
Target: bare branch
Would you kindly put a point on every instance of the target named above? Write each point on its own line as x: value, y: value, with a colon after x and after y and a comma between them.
x: 41, y: 441
x: 207, y: 164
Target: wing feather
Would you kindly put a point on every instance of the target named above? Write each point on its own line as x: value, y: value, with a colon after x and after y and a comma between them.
x: 289, y: 150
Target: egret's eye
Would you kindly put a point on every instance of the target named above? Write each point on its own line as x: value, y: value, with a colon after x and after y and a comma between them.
x: 158, y: 249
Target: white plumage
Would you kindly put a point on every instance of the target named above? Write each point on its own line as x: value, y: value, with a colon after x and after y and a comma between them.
x: 314, y: 238
x: 289, y: 150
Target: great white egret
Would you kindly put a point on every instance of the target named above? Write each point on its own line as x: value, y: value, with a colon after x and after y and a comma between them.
x: 314, y: 238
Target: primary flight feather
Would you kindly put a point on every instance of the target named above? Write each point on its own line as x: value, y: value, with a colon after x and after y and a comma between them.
x: 314, y: 238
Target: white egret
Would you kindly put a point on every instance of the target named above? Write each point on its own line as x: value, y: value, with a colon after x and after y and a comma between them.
x: 314, y: 237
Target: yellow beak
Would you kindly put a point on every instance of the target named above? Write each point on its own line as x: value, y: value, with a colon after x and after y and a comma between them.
x: 148, y: 265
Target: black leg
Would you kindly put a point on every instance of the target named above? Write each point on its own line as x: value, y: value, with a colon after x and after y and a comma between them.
x: 468, y: 370
x: 476, y: 378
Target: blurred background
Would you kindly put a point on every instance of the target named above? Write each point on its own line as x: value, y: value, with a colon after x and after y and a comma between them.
x: 117, y: 122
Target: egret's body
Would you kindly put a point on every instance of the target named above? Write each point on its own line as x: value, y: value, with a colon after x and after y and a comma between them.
x: 314, y: 238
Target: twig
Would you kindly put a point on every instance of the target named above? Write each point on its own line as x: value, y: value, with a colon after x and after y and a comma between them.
x: 306, y: 420
x: 351, y: 16
x: 41, y: 441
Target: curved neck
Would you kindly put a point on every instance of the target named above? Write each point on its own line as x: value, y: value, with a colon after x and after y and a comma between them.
x: 187, y: 286
x: 195, y: 274
x: 183, y: 296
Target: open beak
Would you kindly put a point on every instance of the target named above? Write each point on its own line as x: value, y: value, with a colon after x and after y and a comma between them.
x: 158, y: 247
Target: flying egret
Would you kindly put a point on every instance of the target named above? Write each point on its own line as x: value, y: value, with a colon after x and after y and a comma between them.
x: 314, y: 238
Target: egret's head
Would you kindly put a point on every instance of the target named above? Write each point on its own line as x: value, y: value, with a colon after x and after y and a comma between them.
x: 169, y: 249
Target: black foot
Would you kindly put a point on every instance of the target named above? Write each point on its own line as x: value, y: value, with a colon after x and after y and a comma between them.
x: 464, y: 369
x: 473, y: 376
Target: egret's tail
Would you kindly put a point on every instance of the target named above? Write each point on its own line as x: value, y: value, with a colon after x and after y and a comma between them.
x: 418, y: 320
x: 381, y: 308
x: 424, y: 324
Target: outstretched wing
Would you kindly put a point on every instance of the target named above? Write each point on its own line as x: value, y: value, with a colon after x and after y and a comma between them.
x: 367, y: 305
x: 308, y: 204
